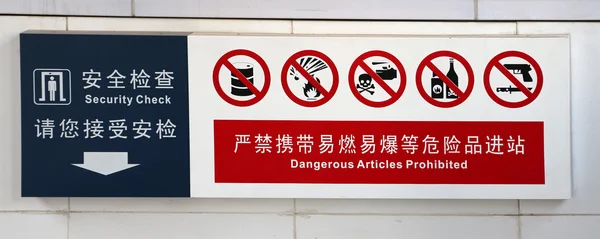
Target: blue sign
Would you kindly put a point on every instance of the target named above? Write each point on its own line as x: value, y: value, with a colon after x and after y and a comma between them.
x: 104, y: 115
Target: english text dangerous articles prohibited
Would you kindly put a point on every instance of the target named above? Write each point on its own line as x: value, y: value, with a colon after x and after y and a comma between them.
x: 380, y: 164
x: 373, y: 152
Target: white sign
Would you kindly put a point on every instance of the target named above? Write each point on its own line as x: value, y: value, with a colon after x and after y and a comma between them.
x: 380, y: 117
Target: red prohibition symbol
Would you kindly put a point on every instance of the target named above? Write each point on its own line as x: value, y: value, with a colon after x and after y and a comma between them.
x: 462, y: 95
x: 327, y: 94
x: 394, y: 94
x: 530, y: 95
x: 224, y: 62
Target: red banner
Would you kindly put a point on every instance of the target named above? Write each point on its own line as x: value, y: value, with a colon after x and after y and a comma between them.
x: 378, y: 152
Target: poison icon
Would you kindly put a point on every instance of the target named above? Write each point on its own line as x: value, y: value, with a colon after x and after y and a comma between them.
x: 365, y: 84
x: 386, y: 72
x: 377, y: 78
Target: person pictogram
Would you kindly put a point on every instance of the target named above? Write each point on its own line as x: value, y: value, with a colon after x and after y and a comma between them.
x: 52, y: 88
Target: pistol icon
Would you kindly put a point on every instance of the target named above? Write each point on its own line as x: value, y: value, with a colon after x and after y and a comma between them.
x: 522, y: 69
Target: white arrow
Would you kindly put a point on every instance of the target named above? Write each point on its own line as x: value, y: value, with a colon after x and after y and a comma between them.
x: 105, y: 163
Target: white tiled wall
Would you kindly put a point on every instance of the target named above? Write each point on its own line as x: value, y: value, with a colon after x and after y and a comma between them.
x: 10, y: 123
x: 33, y: 225
x: 179, y: 226
x: 68, y: 7
x: 393, y: 227
x: 538, y: 9
x: 550, y: 227
x: 585, y: 58
x: 85, y: 218
x: 312, y: 9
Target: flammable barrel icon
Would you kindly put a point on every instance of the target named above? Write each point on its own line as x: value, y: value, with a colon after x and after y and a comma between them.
x: 237, y: 87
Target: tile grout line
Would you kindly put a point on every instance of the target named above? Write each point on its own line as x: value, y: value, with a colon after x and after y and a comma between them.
x: 294, y: 233
x: 69, y: 211
x: 519, y: 222
x: 182, y: 212
x: 295, y: 212
x: 292, y: 32
x: 476, y: 9
x: 68, y: 218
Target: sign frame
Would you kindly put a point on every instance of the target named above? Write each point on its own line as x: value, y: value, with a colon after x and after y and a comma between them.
x: 205, y: 121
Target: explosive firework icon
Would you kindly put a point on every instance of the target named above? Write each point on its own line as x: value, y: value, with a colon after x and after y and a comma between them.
x: 312, y: 65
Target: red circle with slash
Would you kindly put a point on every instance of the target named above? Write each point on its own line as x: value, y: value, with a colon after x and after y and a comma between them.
x: 394, y: 94
x: 462, y: 96
x: 495, y: 63
x: 258, y: 94
x: 291, y: 62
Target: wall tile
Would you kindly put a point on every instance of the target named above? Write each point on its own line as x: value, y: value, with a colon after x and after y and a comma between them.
x: 310, y: 9
x: 585, y: 55
x: 407, y: 206
x: 183, y: 205
x: 560, y: 227
x: 406, y: 28
x: 10, y: 113
x: 538, y: 10
x: 30, y: 226
x: 393, y: 227
x: 67, y: 7
x: 179, y: 25
x: 161, y: 226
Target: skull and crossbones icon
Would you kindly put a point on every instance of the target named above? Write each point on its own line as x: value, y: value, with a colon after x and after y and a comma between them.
x: 365, y: 83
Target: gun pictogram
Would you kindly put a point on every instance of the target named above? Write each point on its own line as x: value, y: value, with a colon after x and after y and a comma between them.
x: 522, y: 69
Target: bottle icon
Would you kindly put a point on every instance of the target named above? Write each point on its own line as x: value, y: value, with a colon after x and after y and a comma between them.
x: 454, y: 78
x: 437, y: 87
